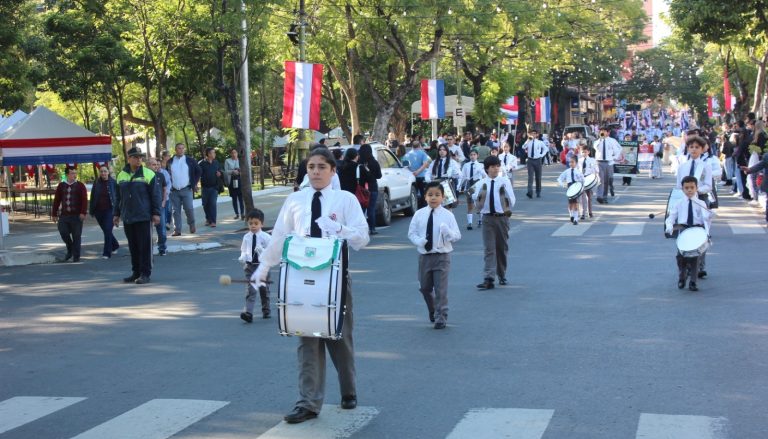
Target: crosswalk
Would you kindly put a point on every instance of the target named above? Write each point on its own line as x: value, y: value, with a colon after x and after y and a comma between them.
x: 164, y: 418
x: 597, y: 228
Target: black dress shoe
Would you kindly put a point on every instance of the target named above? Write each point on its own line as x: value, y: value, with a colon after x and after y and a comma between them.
x: 469, y: 226
x: 702, y: 274
x: 130, y: 279
x: 348, y: 402
x: 246, y: 317
x: 681, y: 284
x: 266, y: 315
x: 502, y: 281
x: 299, y: 415
x: 432, y: 317
x: 529, y: 195
x: 76, y: 259
x: 538, y: 195
x: 692, y: 286
x: 486, y: 285
x: 67, y: 256
x: 440, y: 325
x: 373, y: 232
x: 142, y: 280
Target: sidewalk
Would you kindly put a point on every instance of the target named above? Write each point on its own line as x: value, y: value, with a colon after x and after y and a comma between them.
x: 37, y: 241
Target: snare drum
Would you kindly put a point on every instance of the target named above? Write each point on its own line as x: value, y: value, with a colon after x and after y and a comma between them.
x: 692, y: 242
x: 450, y: 200
x: 574, y: 191
x: 590, y: 181
x: 311, y: 290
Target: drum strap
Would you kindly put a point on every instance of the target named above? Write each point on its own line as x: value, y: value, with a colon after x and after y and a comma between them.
x: 345, y: 284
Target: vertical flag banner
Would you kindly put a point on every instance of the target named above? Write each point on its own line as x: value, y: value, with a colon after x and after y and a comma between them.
x: 647, y: 118
x: 301, y: 95
x: 733, y: 102
x: 684, y: 122
x: 510, y: 110
x: 432, y: 99
x: 543, y: 110
x: 727, y: 91
x: 712, y: 107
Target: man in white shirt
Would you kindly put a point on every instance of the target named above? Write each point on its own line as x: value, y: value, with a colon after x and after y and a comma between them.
x: 185, y: 175
x: 536, y: 150
x: 455, y: 149
x: 607, y: 151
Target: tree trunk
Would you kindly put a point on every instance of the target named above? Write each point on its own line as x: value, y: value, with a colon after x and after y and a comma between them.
x: 187, y: 99
x: 381, y: 122
x: 760, y: 84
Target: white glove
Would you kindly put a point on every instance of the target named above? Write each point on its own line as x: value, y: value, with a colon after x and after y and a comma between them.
x: 328, y: 225
x: 444, y: 229
x: 668, y: 230
x: 259, y: 277
x: 241, y: 258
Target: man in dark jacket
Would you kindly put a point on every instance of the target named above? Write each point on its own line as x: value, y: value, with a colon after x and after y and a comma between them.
x: 138, y: 202
x: 72, y: 197
x: 210, y: 172
x: 185, y: 174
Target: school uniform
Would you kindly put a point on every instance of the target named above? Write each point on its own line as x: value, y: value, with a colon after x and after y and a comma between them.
x: 536, y: 150
x: 699, y: 169
x: 588, y: 166
x: 253, y: 245
x: 508, y: 165
x: 471, y: 173
x: 656, y: 164
x: 347, y: 221
x: 433, y: 231
x: 438, y: 169
x: 566, y: 179
x: 607, y: 151
x: 689, y: 212
x: 495, y: 201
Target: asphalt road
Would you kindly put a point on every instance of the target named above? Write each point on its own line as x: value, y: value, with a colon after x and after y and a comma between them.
x: 591, y: 339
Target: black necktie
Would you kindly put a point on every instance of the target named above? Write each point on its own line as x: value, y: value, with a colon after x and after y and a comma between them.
x: 533, y: 144
x: 573, y: 179
x: 693, y: 168
x: 492, y: 198
x: 439, y: 168
x: 690, y: 212
x: 604, y: 158
x: 471, y: 170
x: 314, y: 229
x: 584, y: 165
x: 428, y: 245
x: 254, y: 255
x: 505, y: 160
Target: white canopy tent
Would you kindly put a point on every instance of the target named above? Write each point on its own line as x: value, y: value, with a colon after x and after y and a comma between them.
x: 11, y: 120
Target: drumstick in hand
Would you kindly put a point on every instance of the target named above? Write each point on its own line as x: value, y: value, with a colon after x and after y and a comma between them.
x: 226, y: 279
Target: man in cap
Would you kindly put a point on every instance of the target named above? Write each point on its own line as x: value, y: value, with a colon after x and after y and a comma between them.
x: 138, y: 202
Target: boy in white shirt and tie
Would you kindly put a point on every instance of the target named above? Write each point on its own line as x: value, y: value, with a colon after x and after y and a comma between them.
x: 432, y: 230
x: 254, y: 243
x: 471, y: 173
x: 689, y: 212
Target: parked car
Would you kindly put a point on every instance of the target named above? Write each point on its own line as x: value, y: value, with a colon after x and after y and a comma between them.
x: 397, y: 186
x: 585, y: 131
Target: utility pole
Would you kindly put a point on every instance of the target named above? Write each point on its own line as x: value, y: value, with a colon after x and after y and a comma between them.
x: 302, y: 57
x: 434, y: 76
x: 244, y: 92
x: 460, y: 129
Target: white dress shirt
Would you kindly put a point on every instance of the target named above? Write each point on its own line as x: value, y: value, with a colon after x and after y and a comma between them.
x: 452, y: 172
x: 499, y: 181
x: 535, y: 148
x: 179, y: 172
x: 702, y: 171
x: 441, y: 241
x: 612, y: 150
x: 678, y: 214
x: 262, y: 241
x: 335, y: 182
x: 475, y: 169
x: 570, y: 177
x: 456, y: 149
x: 508, y: 162
x: 295, y: 216
x: 590, y: 167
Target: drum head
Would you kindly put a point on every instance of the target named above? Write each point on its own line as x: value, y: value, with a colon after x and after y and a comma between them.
x: 590, y: 181
x: 574, y: 190
x: 691, y: 239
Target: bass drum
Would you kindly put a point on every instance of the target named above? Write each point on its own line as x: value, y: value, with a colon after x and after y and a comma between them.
x: 692, y: 242
x: 574, y: 191
x: 590, y: 181
x: 675, y: 195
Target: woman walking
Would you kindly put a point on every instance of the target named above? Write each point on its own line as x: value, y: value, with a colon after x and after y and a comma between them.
x: 370, y: 173
x: 101, y: 207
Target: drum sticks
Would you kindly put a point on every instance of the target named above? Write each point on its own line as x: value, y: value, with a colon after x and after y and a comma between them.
x: 226, y: 279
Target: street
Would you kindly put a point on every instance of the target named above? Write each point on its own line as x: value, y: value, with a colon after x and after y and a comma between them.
x: 591, y: 339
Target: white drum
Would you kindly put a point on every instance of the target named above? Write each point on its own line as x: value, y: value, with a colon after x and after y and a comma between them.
x: 574, y: 191
x: 692, y: 242
x: 590, y: 181
x: 450, y: 200
x: 311, y: 292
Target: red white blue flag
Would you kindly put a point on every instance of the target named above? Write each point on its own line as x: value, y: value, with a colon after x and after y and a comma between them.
x: 510, y: 109
x: 543, y: 110
x: 301, y: 95
x: 712, y: 107
x: 432, y: 99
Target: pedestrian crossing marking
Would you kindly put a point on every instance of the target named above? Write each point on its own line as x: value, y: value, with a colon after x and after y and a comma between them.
x: 568, y: 229
x: 496, y: 423
x: 21, y: 410
x: 628, y: 228
x: 332, y: 423
x: 653, y: 426
x: 746, y: 227
x: 156, y: 419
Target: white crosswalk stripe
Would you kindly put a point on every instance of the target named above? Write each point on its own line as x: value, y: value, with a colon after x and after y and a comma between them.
x: 744, y: 227
x: 507, y: 423
x: 652, y: 426
x: 333, y: 423
x: 568, y: 229
x: 156, y: 419
x: 21, y: 410
x: 629, y: 228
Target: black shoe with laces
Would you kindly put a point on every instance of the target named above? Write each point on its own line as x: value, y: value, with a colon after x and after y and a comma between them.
x: 348, y: 402
x: 142, y: 280
x: 132, y: 278
x: 299, y: 415
x: 246, y: 316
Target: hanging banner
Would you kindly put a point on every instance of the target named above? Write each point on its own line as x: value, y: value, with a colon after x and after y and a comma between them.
x: 301, y: 95
x: 626, y: 165
x: 543, y: 111
x: 432, y: 99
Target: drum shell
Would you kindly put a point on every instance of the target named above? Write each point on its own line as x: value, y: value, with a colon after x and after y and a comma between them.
x: 574, y: 194
x: 450, y: 200
x: 590, y: 181
x: 692, y: 242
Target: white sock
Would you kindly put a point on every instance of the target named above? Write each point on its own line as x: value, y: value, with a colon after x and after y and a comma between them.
x: 469, y: 218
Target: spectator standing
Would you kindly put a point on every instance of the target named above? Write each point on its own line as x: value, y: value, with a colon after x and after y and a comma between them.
x: 165, y: 158
x: 418, y: 161
x: 72, y: 197
x: 348, y: 172
x: 164, y: 181
x: 185, y: 175
x: 138, y: 203
x: 101, y: 207
x: 232, y: 179
x: 372, y: 171
x: 210, y: 171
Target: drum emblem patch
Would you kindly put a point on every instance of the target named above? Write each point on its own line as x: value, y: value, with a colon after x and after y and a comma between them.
x: 310, y: 252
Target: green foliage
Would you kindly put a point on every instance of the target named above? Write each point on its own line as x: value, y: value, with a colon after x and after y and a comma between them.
x: 18, y: 67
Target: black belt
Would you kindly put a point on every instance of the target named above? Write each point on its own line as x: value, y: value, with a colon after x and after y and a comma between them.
x: 603, y: 161
x: 535, y: 158
x: 185, y: 187
x: 494, y: 214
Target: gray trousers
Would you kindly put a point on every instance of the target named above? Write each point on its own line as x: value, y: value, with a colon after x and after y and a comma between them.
x: 586, y: 202
x: 250, y: 295
x: 311, y: 353
x: 534, y: 168
x: 433, y: 283
x: 182, y: 197
x: 688, y: 267
x: 496, y: 244
x: 606, y: 177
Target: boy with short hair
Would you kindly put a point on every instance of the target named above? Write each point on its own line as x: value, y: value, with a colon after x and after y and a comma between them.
x: 566, y: 179
x: 588, y: 166
x: 254, y: 243
x: 689, y: 212
x: 433, y: 228
x: 471, y: 173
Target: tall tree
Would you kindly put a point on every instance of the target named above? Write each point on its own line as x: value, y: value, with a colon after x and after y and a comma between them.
x: 17, y: 73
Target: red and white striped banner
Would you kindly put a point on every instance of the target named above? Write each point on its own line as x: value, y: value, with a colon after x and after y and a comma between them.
x: 301, y: 95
